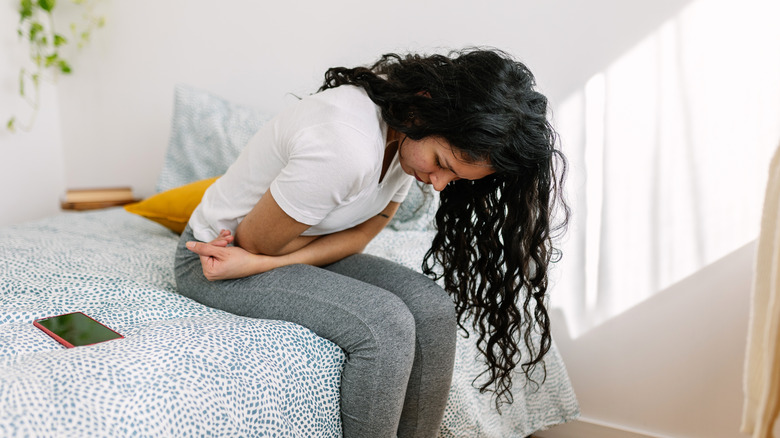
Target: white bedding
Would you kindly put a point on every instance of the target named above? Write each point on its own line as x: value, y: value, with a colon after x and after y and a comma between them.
x: 184, y: 369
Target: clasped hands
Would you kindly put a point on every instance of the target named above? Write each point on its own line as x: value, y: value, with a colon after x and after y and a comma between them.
x: 222, y: 261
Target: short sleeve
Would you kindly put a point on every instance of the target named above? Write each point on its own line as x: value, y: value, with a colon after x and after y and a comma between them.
x: 328, y: 166
x: 400, y: 195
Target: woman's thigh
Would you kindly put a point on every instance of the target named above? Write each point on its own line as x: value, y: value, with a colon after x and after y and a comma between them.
x: 427, y: 301
x: 336, y: 307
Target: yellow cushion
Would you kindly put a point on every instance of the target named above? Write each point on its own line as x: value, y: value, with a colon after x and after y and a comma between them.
x: 174, y: 207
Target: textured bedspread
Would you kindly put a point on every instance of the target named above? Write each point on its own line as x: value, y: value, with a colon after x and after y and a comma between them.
x: 184, y: 369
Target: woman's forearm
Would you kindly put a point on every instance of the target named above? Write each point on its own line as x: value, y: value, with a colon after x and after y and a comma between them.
x: 331, y: 248
x: 221, y: 261
x: 296, y: 244
x: 327, y: 249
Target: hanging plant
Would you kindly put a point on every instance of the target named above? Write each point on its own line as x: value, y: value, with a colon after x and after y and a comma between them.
x: 37, y: 29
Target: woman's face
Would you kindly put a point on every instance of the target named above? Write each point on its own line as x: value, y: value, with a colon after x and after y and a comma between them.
x: 432, y: 160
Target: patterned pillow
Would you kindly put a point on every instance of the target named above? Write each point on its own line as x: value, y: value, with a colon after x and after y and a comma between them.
x: 207, y: 134
x: 418, y: 210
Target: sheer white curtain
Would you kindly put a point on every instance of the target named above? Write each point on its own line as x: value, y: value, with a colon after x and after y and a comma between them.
x: 669, y: 148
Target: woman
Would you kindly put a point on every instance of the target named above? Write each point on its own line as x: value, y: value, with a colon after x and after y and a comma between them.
x: 280, y: 235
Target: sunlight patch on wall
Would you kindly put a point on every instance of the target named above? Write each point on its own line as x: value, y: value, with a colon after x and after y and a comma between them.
x: 594, y: 188
x: 669, y: 148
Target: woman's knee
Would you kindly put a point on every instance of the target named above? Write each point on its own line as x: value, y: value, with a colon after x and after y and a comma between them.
x: 394, y: 324
x: 435, y: 310
x: 355, y: 315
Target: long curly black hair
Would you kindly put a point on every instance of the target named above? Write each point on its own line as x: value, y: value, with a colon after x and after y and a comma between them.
x: 494, y: 239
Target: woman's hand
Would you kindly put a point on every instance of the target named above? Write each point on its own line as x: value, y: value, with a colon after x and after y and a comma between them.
x: 224, y: 239
x: 223, y: 262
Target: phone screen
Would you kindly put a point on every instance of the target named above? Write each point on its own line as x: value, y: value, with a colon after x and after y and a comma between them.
x: 76, y: 329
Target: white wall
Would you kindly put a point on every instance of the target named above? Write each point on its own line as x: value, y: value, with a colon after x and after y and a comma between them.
x: 31, y: 163
x: 114, y: 112
x: 116, y: 109
x: 669, y: 367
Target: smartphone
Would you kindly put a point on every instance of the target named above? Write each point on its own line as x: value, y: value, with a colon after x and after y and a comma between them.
x: 75, y: 329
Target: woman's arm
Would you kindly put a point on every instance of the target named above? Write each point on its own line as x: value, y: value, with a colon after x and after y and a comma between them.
x: 331, y: 248
x: 221, y: 262
x: 268, y: 230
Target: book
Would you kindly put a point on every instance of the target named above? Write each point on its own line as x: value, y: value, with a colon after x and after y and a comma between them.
x: 88, y: 199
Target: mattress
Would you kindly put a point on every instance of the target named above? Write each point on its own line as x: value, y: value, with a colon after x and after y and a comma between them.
x: 184, y: 369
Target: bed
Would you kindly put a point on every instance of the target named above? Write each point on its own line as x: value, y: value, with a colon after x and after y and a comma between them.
x: 183, y: 369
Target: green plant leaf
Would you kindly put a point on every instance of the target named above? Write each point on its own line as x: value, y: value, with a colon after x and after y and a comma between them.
x: 25, y: 9
x: 59, y: 40
x: 52, y: 59
x: 22, y: 74
x: 64, y: 66
x: 35, y: 28
x: 11, y: 124
x: 47, y: 5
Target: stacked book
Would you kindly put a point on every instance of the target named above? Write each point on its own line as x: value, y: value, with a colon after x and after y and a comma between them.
x: 90, y: 199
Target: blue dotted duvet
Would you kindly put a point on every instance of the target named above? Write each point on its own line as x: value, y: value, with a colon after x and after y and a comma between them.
x: 184, y: 369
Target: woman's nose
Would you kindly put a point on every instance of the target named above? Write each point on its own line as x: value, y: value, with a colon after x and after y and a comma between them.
x: 439, y: 180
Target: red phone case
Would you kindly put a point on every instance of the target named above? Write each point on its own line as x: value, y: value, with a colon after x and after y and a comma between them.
x: 63, y: 341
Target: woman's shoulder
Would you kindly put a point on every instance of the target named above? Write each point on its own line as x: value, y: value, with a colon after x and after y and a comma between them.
x: 345, y: 96
x: 346, y: 105
x: 340, y: 117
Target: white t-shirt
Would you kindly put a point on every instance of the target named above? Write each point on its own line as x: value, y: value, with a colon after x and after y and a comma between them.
x: 321, y: 159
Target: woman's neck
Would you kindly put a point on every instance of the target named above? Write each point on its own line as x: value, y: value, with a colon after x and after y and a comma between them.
x: 391, y: 147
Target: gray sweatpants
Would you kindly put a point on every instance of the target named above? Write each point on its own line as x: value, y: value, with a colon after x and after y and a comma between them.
x: 396, y: 327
